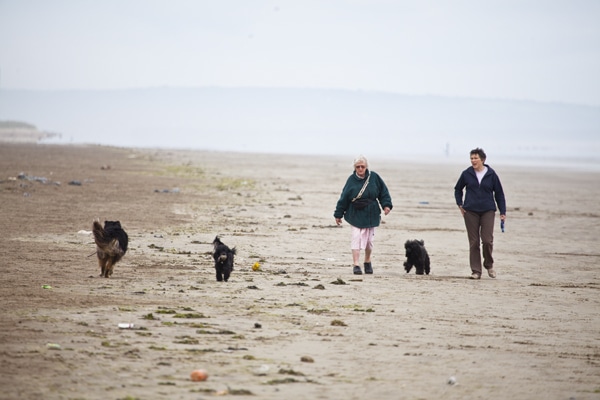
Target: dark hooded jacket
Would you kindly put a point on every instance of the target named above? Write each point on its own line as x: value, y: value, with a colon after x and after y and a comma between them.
x: 480, y: 197
x: 376, y: 192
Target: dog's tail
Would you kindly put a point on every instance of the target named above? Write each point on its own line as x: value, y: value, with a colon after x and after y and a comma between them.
x: 106, y: 243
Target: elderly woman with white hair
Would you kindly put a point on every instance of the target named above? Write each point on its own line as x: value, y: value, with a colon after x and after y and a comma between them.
x: 360, y: 204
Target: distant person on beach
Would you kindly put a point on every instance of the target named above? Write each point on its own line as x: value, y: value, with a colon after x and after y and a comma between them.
x: 483, y: 193
x: 360, y: 203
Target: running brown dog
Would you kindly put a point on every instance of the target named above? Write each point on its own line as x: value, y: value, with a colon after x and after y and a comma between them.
x: 111, y: 245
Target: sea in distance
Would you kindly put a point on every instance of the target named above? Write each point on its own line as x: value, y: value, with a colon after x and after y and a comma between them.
x: 317, y: 122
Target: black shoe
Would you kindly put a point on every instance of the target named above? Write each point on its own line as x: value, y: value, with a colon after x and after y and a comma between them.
x: 368, y: 268
x: 357, y: 270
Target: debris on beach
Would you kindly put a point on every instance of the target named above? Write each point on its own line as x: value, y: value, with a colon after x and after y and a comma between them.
x: 282, y: 381
x: 199, y: 375
x: 24, y: 177
x: 262, y: 370
x: 298, y: 284
x: 174, y: 190
x: 337, y: 322
x: 339, y: 281
x: 285, y: 371
x: 236, y: 392
x: 31, y: 178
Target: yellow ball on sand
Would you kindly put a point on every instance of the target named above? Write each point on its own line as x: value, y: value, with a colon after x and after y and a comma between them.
x: 256, y: 266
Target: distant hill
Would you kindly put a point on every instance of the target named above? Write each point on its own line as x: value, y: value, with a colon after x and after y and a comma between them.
x: 313, y: 121
x: 21, y: 132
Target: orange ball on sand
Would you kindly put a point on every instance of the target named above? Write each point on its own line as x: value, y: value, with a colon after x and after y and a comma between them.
x: 199, y: 375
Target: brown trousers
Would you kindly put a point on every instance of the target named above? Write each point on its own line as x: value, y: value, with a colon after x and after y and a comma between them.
x: 480, y: 229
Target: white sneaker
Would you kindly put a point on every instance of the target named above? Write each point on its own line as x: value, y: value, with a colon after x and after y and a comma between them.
x: 475, y: 275
x: 491, y: 273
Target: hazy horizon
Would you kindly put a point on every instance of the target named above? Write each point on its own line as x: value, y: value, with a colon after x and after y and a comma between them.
x: 321, y: 122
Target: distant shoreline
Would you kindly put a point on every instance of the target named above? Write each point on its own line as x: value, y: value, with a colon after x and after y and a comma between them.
x: 587, y: 164
x: 294, y: 121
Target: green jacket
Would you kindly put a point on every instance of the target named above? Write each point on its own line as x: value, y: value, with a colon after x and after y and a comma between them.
x: 376, y: 191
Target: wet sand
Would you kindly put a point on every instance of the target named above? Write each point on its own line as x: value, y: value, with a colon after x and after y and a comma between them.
x: 302, y: 326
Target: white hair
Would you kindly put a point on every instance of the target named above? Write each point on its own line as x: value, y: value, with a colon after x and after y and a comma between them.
x: 362, y: 159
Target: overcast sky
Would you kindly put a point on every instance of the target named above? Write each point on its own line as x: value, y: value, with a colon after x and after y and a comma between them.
x: 544, y: 50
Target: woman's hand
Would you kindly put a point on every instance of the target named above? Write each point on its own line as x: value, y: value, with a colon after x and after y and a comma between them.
x: 386, y: 210
x: 338, y: 221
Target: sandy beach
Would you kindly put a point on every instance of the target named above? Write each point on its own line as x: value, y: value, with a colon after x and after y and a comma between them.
x: 302, y: 326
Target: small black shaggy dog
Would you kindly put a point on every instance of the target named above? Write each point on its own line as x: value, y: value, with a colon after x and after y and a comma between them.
x: 111, y: 245
x: 223, y: 256
x: 416, y: 255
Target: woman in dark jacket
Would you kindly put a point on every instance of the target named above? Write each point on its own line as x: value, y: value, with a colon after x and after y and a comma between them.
x: 359, y: 204
x: 483, y: 193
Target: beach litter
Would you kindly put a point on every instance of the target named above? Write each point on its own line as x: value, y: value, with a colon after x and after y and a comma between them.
x: 262, y: 370
x: 199, y: 375
x: 41, y: 179
x: 174, y: 190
